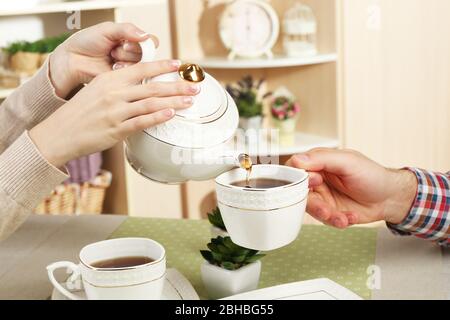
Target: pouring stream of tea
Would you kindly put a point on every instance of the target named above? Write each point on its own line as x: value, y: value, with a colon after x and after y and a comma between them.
x: 246, y: 163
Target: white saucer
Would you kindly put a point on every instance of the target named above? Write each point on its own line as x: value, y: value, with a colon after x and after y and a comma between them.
x: 176, y: 287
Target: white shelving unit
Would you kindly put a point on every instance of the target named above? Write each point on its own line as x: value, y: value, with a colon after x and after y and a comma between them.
x: 276, y: 62
x: 305, y: 142
x: 302, y: 142
x: 17, y: 8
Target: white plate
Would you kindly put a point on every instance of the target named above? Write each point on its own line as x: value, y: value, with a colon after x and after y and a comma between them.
x: 176, y: 287
x: 320, y: 289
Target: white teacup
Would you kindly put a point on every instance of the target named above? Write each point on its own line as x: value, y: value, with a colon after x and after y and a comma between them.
x: 263, y: 219
x: 143, y: 282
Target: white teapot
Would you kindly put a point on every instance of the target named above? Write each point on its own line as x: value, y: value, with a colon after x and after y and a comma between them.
x: 196, y: 143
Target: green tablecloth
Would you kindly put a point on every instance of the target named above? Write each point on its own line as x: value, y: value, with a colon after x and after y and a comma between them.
x: 319, y: 252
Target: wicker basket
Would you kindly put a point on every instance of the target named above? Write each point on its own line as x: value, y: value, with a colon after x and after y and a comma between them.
x: 76, y: 199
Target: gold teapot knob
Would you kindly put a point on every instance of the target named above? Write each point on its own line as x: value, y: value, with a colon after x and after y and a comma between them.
x: 192, y: 72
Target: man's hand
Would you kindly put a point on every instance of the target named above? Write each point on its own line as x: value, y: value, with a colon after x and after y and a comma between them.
x: 94, y: 51
x: 347, y: 188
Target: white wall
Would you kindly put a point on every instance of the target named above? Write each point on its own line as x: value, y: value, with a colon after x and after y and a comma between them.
x: 30, y: 28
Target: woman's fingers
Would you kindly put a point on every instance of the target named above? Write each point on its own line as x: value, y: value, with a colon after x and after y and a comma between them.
x: 121, y: 65
x: 123, y: 31
x: 160, y: 89
x: 146, y: 121
x: 155, y: 104
x: 123, y: 53
x: 140, y: 71
x: 132, y: 47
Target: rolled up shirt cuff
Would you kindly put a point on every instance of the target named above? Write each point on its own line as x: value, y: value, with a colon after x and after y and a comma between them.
x: 429, y: 217
x: 25, y: 175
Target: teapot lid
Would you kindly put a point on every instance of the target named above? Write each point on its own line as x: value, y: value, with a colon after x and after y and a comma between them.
x: 212, y: 120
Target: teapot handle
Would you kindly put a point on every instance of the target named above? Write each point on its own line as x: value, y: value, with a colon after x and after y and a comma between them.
x: 148, y: 50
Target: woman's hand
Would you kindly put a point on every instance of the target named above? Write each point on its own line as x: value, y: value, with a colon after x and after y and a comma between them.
x: 112, y: 107
x: 93, y: 51
x: 347, y: 188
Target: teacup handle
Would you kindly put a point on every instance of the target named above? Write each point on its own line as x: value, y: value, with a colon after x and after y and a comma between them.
x: 76, y: 273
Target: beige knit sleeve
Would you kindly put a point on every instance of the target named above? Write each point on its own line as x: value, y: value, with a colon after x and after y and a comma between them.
x: 25, y: 176
x: 25, y: 179
x: 27, y: 106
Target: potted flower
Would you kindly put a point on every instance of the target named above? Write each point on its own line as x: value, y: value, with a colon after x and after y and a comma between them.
x: 249, y: 97
x: 218, y: 227
x: 285, y: 110
x: 27, y: 57
x: 229, y: 269
x: 23, y: 57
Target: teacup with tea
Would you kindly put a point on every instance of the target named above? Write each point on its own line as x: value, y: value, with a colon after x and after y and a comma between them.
x: 118, y: 269
x: 264, y: 212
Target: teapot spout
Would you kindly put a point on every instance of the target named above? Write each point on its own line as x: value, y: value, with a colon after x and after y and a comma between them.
x: 209, y: 165
x: 239, y: 160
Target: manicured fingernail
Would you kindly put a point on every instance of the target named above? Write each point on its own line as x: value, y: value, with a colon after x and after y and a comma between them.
x: 117, y: 66
x: 189, y: 101
x: 302, y: 157
x: 176, y: 63
x: 169, y: 113
x: 142, y: 34
x: 126, y: 46
x: 195, y: 88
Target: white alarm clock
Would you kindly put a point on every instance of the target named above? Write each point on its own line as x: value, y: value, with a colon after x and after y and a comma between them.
x: 249, y: 28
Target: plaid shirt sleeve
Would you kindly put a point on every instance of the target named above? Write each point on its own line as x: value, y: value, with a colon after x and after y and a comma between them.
x: 429, y: 217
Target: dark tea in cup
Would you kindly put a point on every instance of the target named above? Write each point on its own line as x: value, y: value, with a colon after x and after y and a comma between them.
x: 261, y: 183
x: 122, y: 262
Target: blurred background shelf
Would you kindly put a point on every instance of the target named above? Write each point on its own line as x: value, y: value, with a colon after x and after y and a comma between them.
x: 18, y: 8
x: 277, y: 62
x: 304, y: 142
x: 286, y: 147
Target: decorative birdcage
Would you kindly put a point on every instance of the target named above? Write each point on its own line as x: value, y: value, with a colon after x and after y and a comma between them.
x: 300, y: 31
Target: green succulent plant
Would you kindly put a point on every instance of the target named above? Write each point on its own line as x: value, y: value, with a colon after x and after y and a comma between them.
x: 225, y: 254
x: 15, y: 47
x: 46, y: 45
x: 245, y: 94
x: 215, y: 218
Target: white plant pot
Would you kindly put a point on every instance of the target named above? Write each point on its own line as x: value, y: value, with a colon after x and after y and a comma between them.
x: 217, y: 232
x: 254, y: 123
x: 221, y: 283
x: 287, y: 129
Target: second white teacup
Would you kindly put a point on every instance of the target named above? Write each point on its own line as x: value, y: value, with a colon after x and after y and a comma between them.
x: 263, y: 219
x: 139, y: 282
